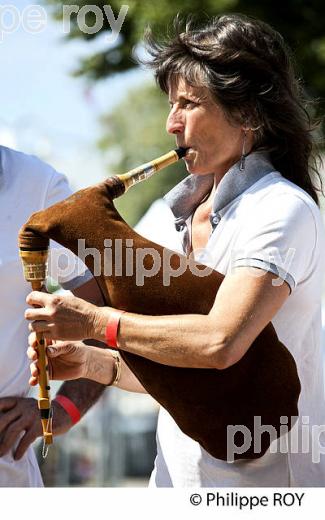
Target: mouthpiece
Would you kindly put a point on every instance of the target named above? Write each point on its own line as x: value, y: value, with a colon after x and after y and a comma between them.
x: 181, y: 152
x: 146, y: 170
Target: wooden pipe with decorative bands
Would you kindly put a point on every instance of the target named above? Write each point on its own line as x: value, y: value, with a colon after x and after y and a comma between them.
x: 35, y: 267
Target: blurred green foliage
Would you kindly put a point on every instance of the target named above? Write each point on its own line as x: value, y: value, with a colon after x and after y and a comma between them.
x: 301, y: 22
x: 134, y: 131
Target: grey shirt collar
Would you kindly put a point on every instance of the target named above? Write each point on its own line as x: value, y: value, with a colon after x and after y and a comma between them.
x: 184, y: 198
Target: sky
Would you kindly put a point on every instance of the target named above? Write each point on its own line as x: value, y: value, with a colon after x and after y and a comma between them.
x: 46, y: 111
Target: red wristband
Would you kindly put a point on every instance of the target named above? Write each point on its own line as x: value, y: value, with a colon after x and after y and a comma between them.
x: 112, y: 328
x: 69, y: 407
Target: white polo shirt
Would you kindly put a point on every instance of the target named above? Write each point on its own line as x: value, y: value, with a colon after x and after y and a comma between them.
x: 26, y: 185
x: 260, y: 219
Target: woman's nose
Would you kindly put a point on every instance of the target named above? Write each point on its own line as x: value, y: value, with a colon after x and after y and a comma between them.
x: 174, y: 123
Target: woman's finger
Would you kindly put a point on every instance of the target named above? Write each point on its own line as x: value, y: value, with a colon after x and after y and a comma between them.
x: 60, y: 350
x: 33, y: 381
x: 32, y: 354
x: 32, y: 341
x: 41, y: 327
x: 34, y: 370
x: 37, y: 314
x: 39, y: 298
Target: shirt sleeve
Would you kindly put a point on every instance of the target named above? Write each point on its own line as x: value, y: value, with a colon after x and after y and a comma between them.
x: 279, y: 236
x: 63, y: 266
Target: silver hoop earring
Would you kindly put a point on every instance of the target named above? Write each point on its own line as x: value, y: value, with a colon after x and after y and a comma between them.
x: 243, y: 153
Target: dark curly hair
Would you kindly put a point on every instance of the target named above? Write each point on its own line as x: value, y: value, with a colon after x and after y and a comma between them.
x: 250, y: 72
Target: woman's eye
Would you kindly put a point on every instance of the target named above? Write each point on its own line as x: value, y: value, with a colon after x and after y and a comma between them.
x: 189, y: 104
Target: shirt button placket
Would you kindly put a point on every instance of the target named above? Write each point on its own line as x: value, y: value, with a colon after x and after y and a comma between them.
x: 181, y: 227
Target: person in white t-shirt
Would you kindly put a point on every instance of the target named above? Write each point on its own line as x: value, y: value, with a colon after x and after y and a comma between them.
x: 28, y: 185
x: 249, y: 209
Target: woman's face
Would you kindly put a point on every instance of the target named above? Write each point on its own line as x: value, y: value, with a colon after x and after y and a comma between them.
x: 200, y: 124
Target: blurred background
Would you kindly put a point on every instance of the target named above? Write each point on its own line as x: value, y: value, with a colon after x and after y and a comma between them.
x: 79, y: 101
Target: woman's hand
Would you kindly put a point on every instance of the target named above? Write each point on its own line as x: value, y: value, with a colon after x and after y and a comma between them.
x: 61, y: 317
x: 72, y: 360
x: 66, y: 359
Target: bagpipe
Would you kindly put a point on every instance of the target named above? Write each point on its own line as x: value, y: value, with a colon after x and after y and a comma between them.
x: 204, y: 402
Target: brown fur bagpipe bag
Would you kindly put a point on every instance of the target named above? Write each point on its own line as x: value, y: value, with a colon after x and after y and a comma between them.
x: 205, y: 403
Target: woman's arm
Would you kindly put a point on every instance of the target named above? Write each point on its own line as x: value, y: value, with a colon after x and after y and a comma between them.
x: 72, y: 361
x: 246, y: 302
x: 100, y: 368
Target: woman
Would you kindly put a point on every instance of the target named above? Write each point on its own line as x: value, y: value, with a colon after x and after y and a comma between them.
x: 249, y: 208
